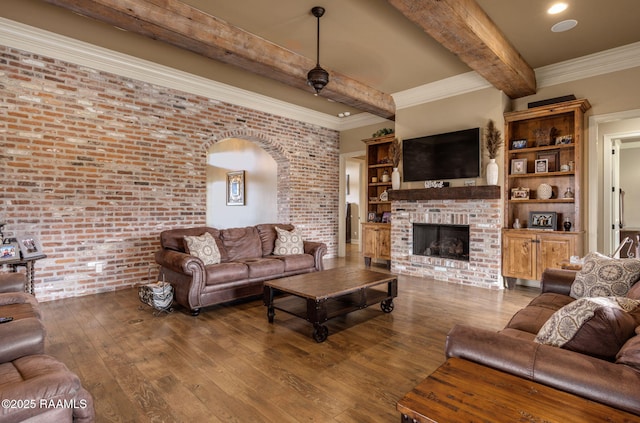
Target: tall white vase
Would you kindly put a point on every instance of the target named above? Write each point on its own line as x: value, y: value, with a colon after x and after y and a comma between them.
x: 395, y: 178
x: 492, y: 172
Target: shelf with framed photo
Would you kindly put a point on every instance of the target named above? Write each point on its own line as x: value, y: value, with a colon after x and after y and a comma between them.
x: 382, y: 155
x: 545, y: 149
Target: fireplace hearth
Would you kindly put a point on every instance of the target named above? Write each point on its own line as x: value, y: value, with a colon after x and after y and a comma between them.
x: 436, y: 240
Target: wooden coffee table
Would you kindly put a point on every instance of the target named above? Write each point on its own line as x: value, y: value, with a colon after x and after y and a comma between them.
x: 463, y: 391
x: 320, y: 296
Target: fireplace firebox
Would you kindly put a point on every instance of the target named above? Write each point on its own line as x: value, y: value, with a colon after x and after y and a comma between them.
x: 447, y: 241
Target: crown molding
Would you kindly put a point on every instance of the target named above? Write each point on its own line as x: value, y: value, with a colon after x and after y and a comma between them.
x: 438, y: 90
x: 613, y: 60
x: 24, y: 37
x: 608, y: 61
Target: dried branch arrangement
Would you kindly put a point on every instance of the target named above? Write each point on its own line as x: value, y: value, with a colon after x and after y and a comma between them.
x: 394, y: 152
x: 493, y: 140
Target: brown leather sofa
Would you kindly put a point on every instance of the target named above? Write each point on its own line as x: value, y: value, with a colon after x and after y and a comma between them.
x: 613, y: 381
x: 247, y: 260
x: 34, y: 386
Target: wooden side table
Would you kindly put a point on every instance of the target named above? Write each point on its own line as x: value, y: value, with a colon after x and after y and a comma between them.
x: 463, y: 391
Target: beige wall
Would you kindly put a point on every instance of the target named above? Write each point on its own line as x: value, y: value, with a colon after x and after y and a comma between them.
x: 452, y: 114
x: 261, y: 181
x: 351, y: 140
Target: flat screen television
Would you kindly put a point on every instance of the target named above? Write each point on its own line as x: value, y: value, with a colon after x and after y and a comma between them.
x: 452, y: 155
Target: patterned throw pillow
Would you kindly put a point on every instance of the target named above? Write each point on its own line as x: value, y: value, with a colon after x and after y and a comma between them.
x: 597, y: 326
x: 288, y: 242
x: 204, y: 247
x: 603, y: 276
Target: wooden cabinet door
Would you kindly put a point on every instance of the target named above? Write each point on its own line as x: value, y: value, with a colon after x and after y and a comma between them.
x: 553, y: 250
x: 368, y: 241
x: 519, y: 256
x: 384, y: 243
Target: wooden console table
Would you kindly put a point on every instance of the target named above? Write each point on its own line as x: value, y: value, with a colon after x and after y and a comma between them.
x: 463, y: 391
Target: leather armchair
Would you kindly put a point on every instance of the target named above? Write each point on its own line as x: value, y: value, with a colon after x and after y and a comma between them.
x: 13, y: 282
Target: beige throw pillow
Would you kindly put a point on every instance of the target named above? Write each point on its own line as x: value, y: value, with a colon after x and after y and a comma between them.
x: 603, y: 276
x: 288, y: 242
x: 204, y: 247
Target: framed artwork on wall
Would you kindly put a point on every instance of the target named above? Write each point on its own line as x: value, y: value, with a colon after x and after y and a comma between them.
x: 235, y: 188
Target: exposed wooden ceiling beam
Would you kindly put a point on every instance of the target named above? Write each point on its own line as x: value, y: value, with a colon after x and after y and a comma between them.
x: 181, y: 25
x: 465, y: 29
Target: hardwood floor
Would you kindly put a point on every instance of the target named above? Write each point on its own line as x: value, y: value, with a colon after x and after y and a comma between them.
x: 230, y: 365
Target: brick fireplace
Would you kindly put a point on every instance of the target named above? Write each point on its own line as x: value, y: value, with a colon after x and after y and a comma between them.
x: 479, y: 208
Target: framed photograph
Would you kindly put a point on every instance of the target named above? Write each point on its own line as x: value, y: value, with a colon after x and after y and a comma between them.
x: 9, y: 252
x: 518, y: 144
x: 564, y: 139
x: 518, y: 166
x: 543, y: 220
x: 29, y: 246
x: 235, y: 188
x: 542, y: 166
x: 372, y: 217
x: 386, y: 217
x: 553, y: 159
x: 520, y: 193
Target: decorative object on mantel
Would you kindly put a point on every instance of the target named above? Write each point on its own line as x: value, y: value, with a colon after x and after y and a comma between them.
x: 435, y: 184
x: 492, y: 142
x: 395, y: 178
x: 567, y: 224
x: 394, y: 155
x: 516, y: 224
x: 382, y: 132
x: 384, y: 196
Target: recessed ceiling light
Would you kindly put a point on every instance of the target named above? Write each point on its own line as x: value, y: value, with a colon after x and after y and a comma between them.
x: 564, y: 25
x: 557, y: 8
x: 344, y: 114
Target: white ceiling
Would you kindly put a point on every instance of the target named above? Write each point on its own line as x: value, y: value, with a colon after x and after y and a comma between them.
x: 368, y: 40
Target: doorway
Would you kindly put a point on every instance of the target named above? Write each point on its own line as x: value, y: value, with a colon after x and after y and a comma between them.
x: 614, y: 151
x: 352, y: 193
x: 622, y: 155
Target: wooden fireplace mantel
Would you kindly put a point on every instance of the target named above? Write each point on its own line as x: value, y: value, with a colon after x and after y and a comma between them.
x: 482, y: 192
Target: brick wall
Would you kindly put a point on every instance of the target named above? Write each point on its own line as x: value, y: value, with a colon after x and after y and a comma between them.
x: 96, y: 165
x: 484, y: 220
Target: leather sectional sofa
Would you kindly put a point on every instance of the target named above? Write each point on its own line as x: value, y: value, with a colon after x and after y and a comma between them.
x: 246, y: 259
x: 601, y: 362
x: 34, y: 387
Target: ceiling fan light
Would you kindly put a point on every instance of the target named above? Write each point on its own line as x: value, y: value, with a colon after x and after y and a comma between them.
x: 318, y: 78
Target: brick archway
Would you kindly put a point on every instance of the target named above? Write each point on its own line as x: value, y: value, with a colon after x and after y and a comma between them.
x: 276, y: 151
